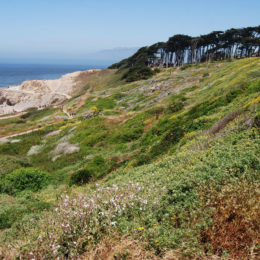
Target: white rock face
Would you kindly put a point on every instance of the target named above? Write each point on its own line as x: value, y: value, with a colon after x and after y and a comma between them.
x: 39, y: 93
x: 35, y: 150
x: 66, y: 148
x: 53, y: 133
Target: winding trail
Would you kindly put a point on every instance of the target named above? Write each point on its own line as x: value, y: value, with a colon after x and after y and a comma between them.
x: 11, y: 116
x: 64, y: 110
x: 5, y: 138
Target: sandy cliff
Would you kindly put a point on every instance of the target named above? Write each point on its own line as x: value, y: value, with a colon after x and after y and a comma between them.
x: 40, y: 93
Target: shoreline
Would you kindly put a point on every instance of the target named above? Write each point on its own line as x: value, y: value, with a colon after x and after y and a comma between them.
x: 16, y: 74
x: 40, y: 93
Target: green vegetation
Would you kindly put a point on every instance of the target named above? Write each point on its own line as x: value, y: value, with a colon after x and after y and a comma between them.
x: 181, y: 49
x: 171, y: 162
x: 23, y: 179
x: 95, y: 169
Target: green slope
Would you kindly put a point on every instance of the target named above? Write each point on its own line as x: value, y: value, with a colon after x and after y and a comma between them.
x: 195, y: 130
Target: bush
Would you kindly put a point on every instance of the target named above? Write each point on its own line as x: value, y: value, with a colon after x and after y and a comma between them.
x: 185, y: 66
x: 10, y: 163
x: 131, y: 130
x: 95, y: 169
x: 175, y: 106
x: 156, y: 70
x: 13, y: 213
x: 235, y: 219
x: 138, y: 72
x: 24, y: 179
x: 105, y: 103
x: 81, y: 177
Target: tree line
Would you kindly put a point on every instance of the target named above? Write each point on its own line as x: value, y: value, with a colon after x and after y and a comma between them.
x: 181, y: 49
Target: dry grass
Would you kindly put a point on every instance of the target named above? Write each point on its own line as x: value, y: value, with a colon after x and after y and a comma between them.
x: 236, y: 222
x: 125, y: 248
x: 117, y: 120
x: 221, y: 124
x: 149, y: 123
x: 115, y: 247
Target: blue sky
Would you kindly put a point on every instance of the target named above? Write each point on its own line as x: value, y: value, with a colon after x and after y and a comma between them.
x: 70, y: 29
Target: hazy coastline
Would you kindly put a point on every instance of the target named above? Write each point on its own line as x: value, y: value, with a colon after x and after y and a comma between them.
x: 15, y: 74
x: 40, y: 93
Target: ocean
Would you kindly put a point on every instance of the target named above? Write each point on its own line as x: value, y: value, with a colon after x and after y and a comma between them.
x: 15, y: 74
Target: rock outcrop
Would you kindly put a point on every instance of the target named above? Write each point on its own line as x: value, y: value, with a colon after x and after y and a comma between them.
x: 40, y: 93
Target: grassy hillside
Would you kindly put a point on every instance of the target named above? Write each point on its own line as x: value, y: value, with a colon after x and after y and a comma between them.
x: 158, y: 168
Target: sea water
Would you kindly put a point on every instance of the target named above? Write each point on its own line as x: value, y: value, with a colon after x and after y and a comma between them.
x: 15, y: 74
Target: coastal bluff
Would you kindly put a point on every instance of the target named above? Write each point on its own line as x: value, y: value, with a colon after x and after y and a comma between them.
x: 41, y: 93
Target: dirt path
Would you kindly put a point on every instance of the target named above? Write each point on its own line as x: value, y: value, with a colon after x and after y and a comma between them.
x: 5, y: 138
x: 11, y: 116
x: 64, y: 110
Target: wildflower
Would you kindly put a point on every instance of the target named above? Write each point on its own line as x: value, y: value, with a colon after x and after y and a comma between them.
x: 155, y: 225
x: 157, y: 243
x: 113, y: 223
x: 141, y: 228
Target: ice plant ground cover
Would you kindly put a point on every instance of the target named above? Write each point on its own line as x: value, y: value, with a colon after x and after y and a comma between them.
x: 168, y: 165
x: 171, y: 204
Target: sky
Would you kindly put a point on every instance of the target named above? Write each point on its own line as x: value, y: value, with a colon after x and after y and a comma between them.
x: 77, y: 30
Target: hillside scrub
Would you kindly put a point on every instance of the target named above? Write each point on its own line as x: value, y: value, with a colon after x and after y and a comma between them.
x: 23, y: 179
x: 171, y: 163
x: 179, y: 213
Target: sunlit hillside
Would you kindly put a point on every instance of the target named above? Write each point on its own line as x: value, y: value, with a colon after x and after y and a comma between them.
x: 161, y: 168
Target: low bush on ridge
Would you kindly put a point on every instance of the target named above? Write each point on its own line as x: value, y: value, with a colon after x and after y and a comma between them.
x: 23, y: 179
x: 96, y: 168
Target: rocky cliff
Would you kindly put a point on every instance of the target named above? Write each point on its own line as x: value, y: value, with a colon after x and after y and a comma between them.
x: 40, y: 93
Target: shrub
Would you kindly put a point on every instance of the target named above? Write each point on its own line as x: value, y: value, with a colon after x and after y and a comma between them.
x: 185, y: 66
x: 12, y: 213
x: 24, y: 179
x: 131, y: 130
x: 160, y: 138
x: 155, y: 111
x: 138, y: 72
x: 95, y: 169
x: 156, y: 70
x: 81, y: 177
x: 105, y: 103
x: 10, y: 163
x: 99, y: 166
x: 235, y: 227
x: 254, y: 87
x: 175, y: 106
